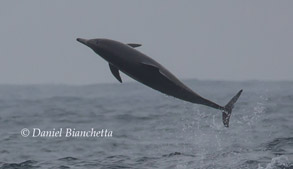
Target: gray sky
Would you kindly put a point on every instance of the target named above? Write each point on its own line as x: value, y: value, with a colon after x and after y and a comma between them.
x: 217, y: 40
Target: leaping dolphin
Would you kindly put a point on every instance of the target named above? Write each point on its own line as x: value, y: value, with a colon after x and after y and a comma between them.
x: 146, y: 70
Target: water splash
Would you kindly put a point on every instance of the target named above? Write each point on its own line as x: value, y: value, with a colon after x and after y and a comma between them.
x: 280, y: 162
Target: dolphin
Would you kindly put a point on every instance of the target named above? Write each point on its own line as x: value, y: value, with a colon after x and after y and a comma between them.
x: 126, y: 58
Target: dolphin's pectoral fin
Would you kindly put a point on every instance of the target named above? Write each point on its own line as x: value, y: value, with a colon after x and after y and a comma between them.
x: 155, y: 68
x: 115, y: 72
x: 134, y: 45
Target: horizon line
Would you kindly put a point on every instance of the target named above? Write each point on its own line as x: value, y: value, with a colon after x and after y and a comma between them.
x: 133, y: 81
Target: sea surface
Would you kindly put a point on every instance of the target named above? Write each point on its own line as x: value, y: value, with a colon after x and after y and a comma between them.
x: 149, y: 129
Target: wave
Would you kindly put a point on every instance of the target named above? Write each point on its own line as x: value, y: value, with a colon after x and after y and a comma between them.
x: 280, y: 162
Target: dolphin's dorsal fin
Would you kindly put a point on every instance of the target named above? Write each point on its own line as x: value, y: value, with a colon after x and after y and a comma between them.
x: 134, y: 45
x: 115, y: 72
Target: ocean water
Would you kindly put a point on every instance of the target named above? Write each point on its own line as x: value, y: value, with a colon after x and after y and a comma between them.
x: 149, y: 129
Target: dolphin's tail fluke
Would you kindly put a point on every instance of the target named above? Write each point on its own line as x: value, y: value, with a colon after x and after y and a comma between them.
x: 228, y: 109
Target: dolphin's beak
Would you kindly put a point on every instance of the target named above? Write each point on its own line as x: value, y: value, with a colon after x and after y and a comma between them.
x: 83, y: 41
